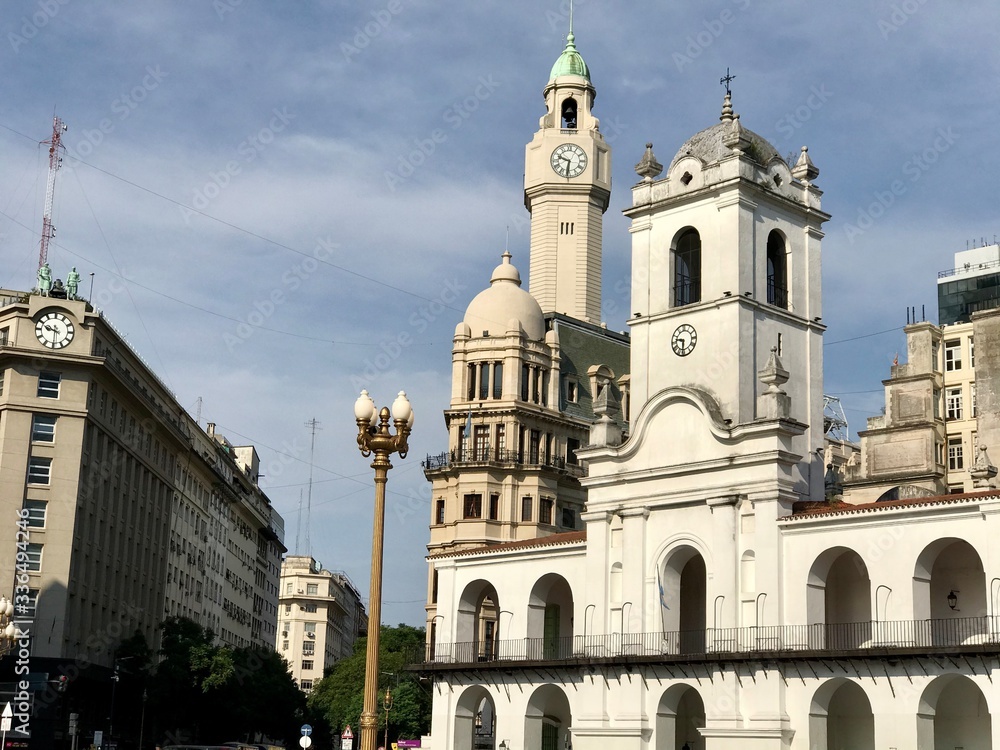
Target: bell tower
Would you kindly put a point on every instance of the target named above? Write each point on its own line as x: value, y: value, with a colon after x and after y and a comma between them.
x: 567, y: 186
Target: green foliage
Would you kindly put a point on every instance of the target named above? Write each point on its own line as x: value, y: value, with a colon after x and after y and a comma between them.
x: 339, y: 696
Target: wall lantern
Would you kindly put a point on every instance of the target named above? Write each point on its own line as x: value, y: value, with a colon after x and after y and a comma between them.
x: 952, y: 599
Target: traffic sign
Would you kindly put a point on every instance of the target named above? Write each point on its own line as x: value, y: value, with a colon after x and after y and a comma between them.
x: 306, y: 730
x: 305, y: 741
x: 7, y: 717
x: 347, y: 734
x: 347, y: 739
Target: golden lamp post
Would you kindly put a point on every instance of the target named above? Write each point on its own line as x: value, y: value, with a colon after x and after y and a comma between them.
x: 374, y: 437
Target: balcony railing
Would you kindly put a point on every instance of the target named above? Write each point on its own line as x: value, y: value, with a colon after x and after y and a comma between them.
x: 485, y: 455
x: 928, y: 635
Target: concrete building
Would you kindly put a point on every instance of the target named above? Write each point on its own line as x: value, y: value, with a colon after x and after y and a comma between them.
x: 134, y: 513
x: 320, y: 616
x: 727, y: 589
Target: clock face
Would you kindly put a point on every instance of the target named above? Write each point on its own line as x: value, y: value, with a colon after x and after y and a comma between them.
x: 54, y: 330
x: 684, y: 340
x: 568, y: 160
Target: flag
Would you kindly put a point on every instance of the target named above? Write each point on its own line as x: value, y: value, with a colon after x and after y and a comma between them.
x: 895, y: 360
x: 664, y: 607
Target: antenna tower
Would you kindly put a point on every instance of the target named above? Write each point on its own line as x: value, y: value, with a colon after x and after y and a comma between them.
x: 55, y: 161
x: 313, y: 425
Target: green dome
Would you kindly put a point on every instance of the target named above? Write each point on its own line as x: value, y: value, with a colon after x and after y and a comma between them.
x: 570, y: 63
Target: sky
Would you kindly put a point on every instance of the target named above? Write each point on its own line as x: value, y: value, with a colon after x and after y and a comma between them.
x: 283, y: 203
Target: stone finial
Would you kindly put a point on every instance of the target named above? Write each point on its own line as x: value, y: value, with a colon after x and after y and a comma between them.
x: 727, y: 108
x: 606, y: 431
x: 983, y: 471
x: 804, y: 169
x: 736, y: 137
x: 773, y: 403
x: 648, y: 167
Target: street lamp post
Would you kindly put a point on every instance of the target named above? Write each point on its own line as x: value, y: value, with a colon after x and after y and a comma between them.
x: 8, y: 631
x: 374, y: 437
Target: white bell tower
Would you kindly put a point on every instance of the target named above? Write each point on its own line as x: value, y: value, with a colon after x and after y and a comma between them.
x: 567, y: 186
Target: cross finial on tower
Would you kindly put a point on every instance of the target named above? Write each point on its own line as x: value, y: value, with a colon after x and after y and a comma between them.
x: 724, y: 81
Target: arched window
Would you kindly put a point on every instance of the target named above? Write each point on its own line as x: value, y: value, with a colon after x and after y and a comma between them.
x: 569, y: 114
x: 687, y: 268
x: 777, y: 277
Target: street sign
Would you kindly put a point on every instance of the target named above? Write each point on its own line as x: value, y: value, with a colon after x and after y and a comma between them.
x: 306, y: 730
x: 305, y: 741
x: 7, y: 717
x: 348, y: 734
x: 347, y: 739
x: 98, y: 738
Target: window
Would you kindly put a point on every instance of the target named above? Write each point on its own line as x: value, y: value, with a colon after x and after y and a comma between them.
x: 311, y: 607
x: 43, y: 428
x: 4, y: 336
x: 568, y: 518
x: 777, y: 284
x: 571, y: 391
x: 288, y: 609
x: 533, y: 446
x: 952, y: 355
x: 471, y: 391
x: 34, y: 556
x: 48, y: 384
x: 497, y: 379
x: 2, y: 373
x: 484, y: 381
x: 687, y: 268
x: 953, y: 403
x: 36, y: 513
x: 526, y: 508
x: 288, y: 587
x: 937, y: 403
x: 972, y: 352
x: 30, y: 605
x: 284, y: 645
x: 307, y: 665
x: 972, y: 399
x: 572, y: 446
x: 306, y: 684
x: 501, y: 442
x: 568, y: 111
x: 481, y: 444
x: 309, y: 627
x: 439, y: 512
x: 955, y: 459
x: 312, y: 589
x: 525, y: 381
x: 308, y: 648
x: 434, y: 589
x: 545, y: 511
x: 494, y: 506
x: 39, y: 470
x: 473, y: 506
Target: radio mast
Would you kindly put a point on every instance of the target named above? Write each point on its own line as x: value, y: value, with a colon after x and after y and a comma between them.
x: 55, y: 161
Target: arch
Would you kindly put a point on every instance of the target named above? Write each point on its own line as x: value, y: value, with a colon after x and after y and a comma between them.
x: 685, y: 263
x: 547, y: 719
x: 953, y: 712
x: 475, y: 720
x: 841, y: 716
x: 568, y: 113
x: 684, y: 601
x: 950, y: 570
x: 777, y: 270
x: 839, y: 599
x: 550, y: 618
x: 476, y: 622
x: 680, y: 715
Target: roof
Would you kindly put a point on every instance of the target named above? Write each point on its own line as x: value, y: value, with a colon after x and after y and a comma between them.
x: 505, y: 306
x: 707, y: 145
x: 554, y: 540
x: 570, y: 63
x: 809, y: 509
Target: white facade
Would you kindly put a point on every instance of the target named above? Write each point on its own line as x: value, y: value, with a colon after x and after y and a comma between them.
x: 720, y: 595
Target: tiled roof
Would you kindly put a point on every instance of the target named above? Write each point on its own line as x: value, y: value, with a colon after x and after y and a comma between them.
x: 567, y: 537
x: 809, y: 509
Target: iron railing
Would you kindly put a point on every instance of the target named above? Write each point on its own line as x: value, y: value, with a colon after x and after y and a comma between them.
x: 839, y: 637
x: 485, y: 455
x: 777, y: 294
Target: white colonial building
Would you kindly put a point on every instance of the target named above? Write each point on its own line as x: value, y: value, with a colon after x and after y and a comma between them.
x: 723, y: 589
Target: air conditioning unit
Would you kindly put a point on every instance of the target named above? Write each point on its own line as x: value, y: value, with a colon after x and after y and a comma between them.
x: 301, y: 591
x: 284, y: 633
x: 311, y: 635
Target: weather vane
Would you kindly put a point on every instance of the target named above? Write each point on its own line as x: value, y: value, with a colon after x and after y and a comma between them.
x: 726, y: 80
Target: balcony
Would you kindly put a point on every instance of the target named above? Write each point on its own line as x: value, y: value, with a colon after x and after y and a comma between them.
x: 902, y: 637
x: 488, y: 457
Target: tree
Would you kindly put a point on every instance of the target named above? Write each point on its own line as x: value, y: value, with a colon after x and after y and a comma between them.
x: 339, y: 696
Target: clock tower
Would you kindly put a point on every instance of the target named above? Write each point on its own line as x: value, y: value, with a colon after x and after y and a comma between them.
x: 567, y: 186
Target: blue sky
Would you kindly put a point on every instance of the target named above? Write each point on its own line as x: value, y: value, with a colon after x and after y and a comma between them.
x: 283, y: 201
